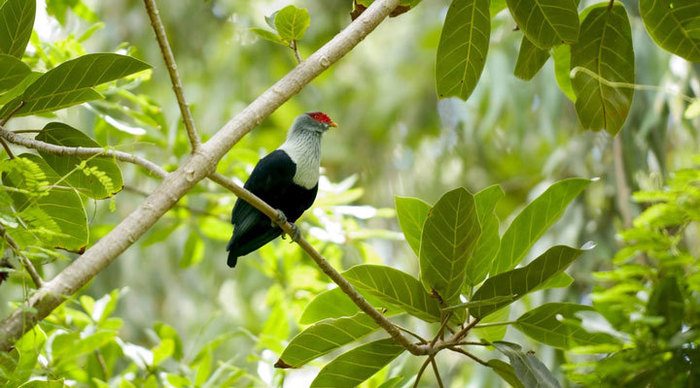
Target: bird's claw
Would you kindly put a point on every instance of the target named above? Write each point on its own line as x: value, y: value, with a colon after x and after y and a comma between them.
x: 280, y: 220
x: 295, y: 235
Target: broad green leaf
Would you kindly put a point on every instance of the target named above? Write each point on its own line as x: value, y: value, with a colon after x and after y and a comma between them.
x: 506, y: 372
x: 479, y: 303
x: 28, y: 348
x: 12, y: 72
x: 395, y: 288
x: 559, y: 280
x: 412, y: 213
x: 19, y: 88
x: 324, y: 337
x: 450, y: 234
x: 557, y: 325
x: 496, y: 6
x: 530, y: 59
x: 674, y: 25
x: 101, y: 176
x: 562, y: 69
x: 17, y: 21
x: 464, y: 43
x: 67, y: 347
x: 493, y: 333
x: 268, y: 35
x: 328, y: 304
x: 521, y: 281
x: 534, y: 220
x: 357, y: 365
x: 489, y: 241
x: 667, y: 301
x: 546, y: 23
x: 602, y: 63
x: 62, y: 204
x: 291, y: 22
x: 70, y: 83
x: 193, y: 251
x: 531, y: 372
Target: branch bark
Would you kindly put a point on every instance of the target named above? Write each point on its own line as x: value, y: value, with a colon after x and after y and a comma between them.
x: 201, y: 164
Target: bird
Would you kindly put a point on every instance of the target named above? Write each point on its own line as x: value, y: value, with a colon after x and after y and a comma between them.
x: 286, y: 179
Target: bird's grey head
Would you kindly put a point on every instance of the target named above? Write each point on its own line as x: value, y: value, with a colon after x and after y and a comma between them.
x: 314, y: 122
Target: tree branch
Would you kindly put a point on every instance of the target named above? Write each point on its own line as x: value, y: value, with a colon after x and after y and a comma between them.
x: 178, y: 183
x: 169, y: 59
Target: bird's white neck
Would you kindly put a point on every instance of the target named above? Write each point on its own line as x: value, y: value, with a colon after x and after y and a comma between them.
x: 304, y: 148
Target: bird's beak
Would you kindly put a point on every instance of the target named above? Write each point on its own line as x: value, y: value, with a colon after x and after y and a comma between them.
x: 332, y: 124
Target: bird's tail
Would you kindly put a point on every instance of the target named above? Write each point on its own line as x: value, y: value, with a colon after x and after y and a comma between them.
x: 232, y: 258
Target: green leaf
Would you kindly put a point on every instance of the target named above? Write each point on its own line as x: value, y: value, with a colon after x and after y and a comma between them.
x: 101, y: 176
x: 268, y: 35
x: 489, y: 241
x: 557, y: 281
x: 546, y: 23
x: 412, y: 213
x: 193, y: 252
x: 62, y: 204
x: 674, y: 25
x: 357, y: 365
x: 557, y: 325
x: 521, y: 281
x: 12, y: 72
x: 17, y: 21
x: 534, y: 220
x: 506, y: 372
x: 70, y: 83
x: 324, y: 337
x: 667, y: 301
x: 450, y: 234
x: 328, y: 304
x: 291, y: 22
x: 530, y: 59
x: 67, y: 347
x: 464, y: 43
x: 395, y: 288
x: 606, y: 56
x: 27, y: 350
x: 531, y: 372
x: 480, y: 303
x: 562, y: 70
x: 19, y: 88
x: 493, y: 333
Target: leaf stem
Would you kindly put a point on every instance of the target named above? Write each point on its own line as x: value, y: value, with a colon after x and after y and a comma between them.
x: 295, y: 49
x: 437, y: 372
x: 494, y: 324
x: 422, y: 369
x: 169, y: 59
x: 473, y: 357
x: 7, y: 148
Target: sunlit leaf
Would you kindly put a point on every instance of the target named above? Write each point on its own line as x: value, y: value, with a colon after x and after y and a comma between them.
x: 412, y: 213
x: 17, y: 21
x: 324, y: 337
x: 604, y: 51
x: 531, y: 372
x: 70, y: 83
x: 101, y: 176
x: 557, y: 325
x: 530, y: 59
x: 396, y: 288
x: 268, y: 35
x: 506, y: 372
x: 19, y: 88
x: 463, y: 46
x: 534, y: 220
x: 562, y: 70
x: 489, y: 240
x: 12, y: 72
x: 291, y: 22
x: 328, y: 304
x: 193, y: 251
x: 559, y: 280
x: 521, y: 281
x: 674, y: 25
x: 546, y: 23
x: 450, y: 235
x: 493, y: 333
x: 357, y: 365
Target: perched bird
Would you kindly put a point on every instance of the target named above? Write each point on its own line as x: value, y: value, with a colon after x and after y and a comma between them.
x: 287, y: 179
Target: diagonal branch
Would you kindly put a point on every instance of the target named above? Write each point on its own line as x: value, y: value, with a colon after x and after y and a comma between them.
x: 22, y: 258
x: 169, y: 59
x: 178, y: 183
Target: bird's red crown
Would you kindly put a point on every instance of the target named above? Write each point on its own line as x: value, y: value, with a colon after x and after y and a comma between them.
x: 322, y: 118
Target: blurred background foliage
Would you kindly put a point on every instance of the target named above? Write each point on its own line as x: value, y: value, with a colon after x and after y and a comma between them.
x: 395, y: 138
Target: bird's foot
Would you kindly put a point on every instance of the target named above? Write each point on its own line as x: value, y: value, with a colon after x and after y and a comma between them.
x: 296, y: 233
x: 281, y: 219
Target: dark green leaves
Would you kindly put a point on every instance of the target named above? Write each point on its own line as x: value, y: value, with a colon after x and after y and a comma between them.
x: 96, y: 177
x: 546, y: 23
x: 531, y: 372
x: 603, y: 64
x: 674, y: 25
x: 518, y: 282
x: 530, y: 59
x: 17, y: 20
x: 12, y: 72
x: 357, y: 365
x: 412, y: 213
x: 489, y: 241
x: 463, y: 46
x: 534, y: 220
x: 450, y: 235
x: 71, y: 83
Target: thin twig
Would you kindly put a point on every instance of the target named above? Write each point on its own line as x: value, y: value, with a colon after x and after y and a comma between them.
x: 295, y: 49
x: 22, y: 258
x: 24, y: 141
x: 494, y: 324
x: 473, y: 357
x: 422, y: 369
x: 7, y: 148
x: 169, y: 59
x: 7, y: 118
x: 437, y: 372
x: 460, y: 334
x: 418, y: 337
x: 26, y: 130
